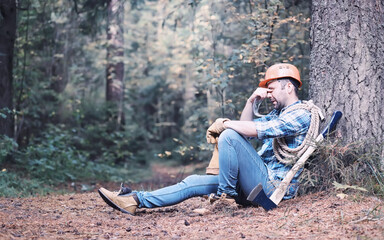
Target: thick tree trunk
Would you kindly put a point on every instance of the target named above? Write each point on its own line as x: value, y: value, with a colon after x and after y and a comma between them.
x: 7, y: 40
x: 347, y: 63
x: 115, y: 54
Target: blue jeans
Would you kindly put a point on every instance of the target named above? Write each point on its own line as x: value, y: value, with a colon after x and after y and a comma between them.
x: 241, y: 169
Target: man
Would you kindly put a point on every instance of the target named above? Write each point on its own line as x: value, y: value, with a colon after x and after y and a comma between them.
x: 241, y: 167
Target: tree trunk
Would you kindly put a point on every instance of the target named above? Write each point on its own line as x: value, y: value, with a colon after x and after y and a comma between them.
x: 65, y: 34
x: 7, y: 40
x: 115, y: 54
x: 347, y: 63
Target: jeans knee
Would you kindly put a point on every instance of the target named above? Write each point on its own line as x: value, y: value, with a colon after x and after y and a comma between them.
x: 200, y: 180
x: 228, y: 134
x: 191, y: 179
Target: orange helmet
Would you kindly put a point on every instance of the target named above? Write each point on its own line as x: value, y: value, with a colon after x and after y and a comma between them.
x: 280, y: 70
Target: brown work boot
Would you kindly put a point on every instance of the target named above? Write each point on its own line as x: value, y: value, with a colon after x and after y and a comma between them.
x: 224, y: 197
x: 126, y: 204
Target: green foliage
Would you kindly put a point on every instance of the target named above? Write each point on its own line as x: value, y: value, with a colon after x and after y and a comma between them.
x: 52, y: 159
x: 12, y: 185
x: 96, y: 150
x: 98, y: 134
x: 59, y: 154
x: 7, y: 146
x: 5, y: 112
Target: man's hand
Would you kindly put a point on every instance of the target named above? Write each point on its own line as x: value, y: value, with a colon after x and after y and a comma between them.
x: 215, y: 129
x: 259, y: 94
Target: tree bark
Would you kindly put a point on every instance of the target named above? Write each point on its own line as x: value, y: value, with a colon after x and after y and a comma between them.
x: 347, y: 63
x: 7, y: 40
x: 115, y: 54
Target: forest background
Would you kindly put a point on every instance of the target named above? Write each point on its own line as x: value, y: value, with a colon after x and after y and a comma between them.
x: 103, y: 89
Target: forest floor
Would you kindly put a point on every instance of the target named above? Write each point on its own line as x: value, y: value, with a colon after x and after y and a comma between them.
x: 77, y: 215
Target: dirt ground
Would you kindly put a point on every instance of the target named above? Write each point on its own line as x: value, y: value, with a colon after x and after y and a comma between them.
x: 85, y: 216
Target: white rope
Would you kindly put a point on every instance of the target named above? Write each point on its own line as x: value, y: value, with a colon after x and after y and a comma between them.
x: 288, y: 155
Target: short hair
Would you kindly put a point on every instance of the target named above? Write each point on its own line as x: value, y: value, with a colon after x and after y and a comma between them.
x: 294, y: 82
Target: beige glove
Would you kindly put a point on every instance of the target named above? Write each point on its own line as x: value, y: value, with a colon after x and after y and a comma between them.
x: 215, y: 129
x: 213, y: 166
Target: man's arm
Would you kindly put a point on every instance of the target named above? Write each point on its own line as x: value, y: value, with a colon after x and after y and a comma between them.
x: 247, y: 113
x: 246, y: 128
x: 259, y: 93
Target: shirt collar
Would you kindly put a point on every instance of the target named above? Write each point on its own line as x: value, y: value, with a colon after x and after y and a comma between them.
x: 285, y: 108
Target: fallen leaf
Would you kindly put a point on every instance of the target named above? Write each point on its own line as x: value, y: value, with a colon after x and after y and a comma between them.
x: 341, y: 195
x: 201, y: 211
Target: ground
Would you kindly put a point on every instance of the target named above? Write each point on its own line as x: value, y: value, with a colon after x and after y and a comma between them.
x: 322, y: 215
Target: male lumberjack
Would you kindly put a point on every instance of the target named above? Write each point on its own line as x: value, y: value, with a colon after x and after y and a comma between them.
x: 241, y: 166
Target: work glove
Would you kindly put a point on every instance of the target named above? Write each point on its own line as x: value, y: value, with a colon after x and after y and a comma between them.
x: 215, y: 129
x: 213, y: 167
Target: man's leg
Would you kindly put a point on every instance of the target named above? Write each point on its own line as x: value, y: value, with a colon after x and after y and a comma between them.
x: 240, y: 164
x: 194, y: 185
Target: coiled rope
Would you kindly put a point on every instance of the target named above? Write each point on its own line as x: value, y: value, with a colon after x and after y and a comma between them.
x: 288, y: 155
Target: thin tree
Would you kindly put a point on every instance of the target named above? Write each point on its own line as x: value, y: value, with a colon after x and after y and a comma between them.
x: 347, y: 65
x: 115, y: 54
x: 7, y: 40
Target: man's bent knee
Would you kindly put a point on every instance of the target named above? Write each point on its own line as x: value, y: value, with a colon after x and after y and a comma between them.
x: 229, y: 133
x: 196, y: 180
x: 191, y: 178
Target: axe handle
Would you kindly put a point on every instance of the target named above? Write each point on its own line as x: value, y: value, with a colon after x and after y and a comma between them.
x: 280, y: 191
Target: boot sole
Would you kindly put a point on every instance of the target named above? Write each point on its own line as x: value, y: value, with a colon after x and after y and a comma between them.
x: 112, y: 204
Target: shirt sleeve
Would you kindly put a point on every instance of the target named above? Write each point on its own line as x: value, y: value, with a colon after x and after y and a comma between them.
x: 289, y: 124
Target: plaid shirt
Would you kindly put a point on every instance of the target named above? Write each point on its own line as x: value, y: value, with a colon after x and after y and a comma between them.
x: 293, y: 126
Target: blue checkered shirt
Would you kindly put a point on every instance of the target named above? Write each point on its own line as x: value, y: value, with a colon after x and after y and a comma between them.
x: 293, y: 126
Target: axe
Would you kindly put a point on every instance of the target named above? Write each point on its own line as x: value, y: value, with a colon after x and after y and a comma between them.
x: 258, y: 196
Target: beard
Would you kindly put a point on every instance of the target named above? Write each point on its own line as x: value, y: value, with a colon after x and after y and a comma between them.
x: 277, y: 105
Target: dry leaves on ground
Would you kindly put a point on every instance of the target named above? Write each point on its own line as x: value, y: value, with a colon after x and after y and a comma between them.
x: 86, y: 216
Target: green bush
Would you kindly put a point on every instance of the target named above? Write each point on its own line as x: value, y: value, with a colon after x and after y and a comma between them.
x: 51, y: 157
x: 88, y: 147
x: 12, y: 185
x: 59, y: 155
x: 7, y: 145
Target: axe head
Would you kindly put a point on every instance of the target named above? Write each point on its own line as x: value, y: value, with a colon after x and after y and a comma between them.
x: 258, y: 197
